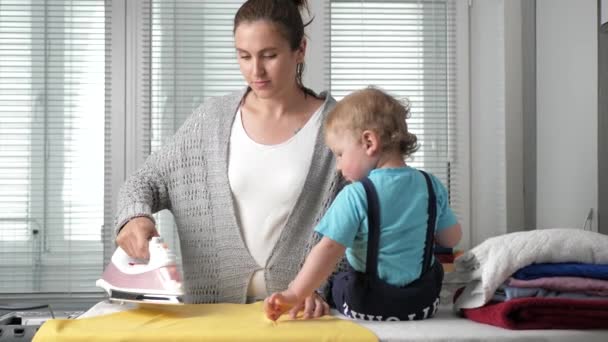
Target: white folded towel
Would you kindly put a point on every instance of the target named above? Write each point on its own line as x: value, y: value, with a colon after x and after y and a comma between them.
x: 490, y: 263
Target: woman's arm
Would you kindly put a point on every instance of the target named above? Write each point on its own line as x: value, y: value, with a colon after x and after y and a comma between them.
x: 146, y: 191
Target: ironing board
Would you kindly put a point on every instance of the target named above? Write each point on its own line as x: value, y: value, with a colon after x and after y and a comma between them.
x: 445, y: 326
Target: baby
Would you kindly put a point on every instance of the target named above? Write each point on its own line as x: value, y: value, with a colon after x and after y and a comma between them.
x: 386, y: 221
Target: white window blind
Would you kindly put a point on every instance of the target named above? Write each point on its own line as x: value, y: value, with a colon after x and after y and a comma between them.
x: 407, y: 48
x: 52, y: 109
x: 189, y: 48
x: 55, y: 113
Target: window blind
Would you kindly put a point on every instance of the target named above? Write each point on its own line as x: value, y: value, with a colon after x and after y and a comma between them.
x: 52, y: 113
x: 406, y: 48
x: 191, y: 55
x: 54, y: 121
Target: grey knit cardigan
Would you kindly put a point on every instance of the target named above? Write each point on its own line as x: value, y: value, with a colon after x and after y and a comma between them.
x: 189, y: 176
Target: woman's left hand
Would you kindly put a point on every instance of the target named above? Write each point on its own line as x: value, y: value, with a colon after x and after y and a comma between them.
x: 314, y: 306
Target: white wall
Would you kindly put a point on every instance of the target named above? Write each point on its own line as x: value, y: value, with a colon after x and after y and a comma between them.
x: 566, y: 115
x: 514, y: 115
x: 487, y: 93
x: 566, y: 112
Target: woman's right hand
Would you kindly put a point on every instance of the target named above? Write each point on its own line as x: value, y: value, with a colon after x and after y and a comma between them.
x: 134, y: 236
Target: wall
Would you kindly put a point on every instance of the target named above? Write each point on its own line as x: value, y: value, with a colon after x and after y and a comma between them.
x: 566, y: 112
x: 487, y: 108
x: 562, y: 119
x: 514, y: 114
x: 603, y: 123
x: 528, y: 88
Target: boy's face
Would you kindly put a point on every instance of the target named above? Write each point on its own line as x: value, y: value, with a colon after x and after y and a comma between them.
x: 352, y: 155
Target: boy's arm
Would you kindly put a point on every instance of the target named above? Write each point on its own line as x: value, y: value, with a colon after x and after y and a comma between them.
x: 449, y: 237
x: 319, y: 264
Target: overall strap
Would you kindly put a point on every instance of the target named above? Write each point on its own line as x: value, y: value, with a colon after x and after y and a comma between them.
x: 430, y: 229
x: 373, y: 222
x: 373, y: 227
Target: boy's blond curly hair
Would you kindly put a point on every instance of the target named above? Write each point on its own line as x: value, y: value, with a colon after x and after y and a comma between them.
x: 373, y: 109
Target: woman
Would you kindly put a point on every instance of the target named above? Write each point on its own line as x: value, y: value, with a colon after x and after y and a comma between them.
x: 247, y: 176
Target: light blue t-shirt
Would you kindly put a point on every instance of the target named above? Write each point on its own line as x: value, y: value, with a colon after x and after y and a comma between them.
x: 403, y: 196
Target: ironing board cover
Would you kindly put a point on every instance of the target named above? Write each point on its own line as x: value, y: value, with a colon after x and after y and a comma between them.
x: 200, y: 322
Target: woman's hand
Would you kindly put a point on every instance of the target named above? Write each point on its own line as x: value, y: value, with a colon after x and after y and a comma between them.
x: 134, y: 236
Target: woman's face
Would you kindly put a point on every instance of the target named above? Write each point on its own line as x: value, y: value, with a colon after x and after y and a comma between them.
x: 265, y: 58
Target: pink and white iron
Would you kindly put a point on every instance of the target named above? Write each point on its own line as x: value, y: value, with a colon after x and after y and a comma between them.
x: 132, y: 280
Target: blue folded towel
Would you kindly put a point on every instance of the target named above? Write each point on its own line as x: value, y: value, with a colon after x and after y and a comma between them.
x: 563, y: 269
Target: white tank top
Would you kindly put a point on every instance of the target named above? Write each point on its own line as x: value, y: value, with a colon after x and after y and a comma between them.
x: 266, y: 181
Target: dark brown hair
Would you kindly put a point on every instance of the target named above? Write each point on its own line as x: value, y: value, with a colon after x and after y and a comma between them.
x: 373, y: 109
x: 286, y: 14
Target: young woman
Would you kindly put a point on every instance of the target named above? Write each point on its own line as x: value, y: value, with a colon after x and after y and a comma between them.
x: 247, y: 175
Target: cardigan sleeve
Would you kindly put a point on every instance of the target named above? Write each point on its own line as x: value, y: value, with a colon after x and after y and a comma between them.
x: 147, y: 191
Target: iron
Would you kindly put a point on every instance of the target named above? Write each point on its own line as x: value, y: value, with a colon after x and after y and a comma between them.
x: 155, y: 281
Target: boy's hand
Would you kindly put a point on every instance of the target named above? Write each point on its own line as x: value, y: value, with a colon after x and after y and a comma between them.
x: 313, y: 306
x: 279, y: 303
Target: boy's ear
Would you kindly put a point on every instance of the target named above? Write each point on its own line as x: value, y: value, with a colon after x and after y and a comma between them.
x: 370, y: 142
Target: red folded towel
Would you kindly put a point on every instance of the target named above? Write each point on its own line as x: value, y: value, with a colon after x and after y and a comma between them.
x: 445, y: 258
x: 543, y: 313
x: 448, y: 258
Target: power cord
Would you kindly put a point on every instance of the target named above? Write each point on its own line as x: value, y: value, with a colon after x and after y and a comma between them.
x: 26, y: 307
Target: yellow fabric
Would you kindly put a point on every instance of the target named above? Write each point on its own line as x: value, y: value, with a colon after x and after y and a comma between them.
x: 201, y: 322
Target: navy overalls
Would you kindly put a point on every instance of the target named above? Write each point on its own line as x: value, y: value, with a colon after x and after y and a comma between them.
x: 363, y: 295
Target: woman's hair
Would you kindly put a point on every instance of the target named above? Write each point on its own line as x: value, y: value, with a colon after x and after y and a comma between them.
x: 286, y: 15
x: 373, y: 109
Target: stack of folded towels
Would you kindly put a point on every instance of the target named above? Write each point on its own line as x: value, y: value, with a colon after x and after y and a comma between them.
x: 556, y: 280
x: 542, y: 279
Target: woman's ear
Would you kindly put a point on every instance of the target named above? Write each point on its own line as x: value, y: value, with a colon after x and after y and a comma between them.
x: 301, y: 51
x: 370, y: 141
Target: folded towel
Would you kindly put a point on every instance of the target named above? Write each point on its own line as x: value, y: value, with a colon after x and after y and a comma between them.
x: 506, y: 293
x: 543, y: 313
x: 445, y: 258
x: 572, y: 284
x: 563, y: 269
x: 488, y: 265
